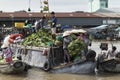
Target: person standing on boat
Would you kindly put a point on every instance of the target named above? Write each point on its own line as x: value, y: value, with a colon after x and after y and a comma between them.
x: 84, y: 38
x: 102, y: 56
x: 40, y: 24
x: 66, y: 40
x: 6, y: 50
x: 6, y: 53
x: 104, y: 52
x: 53, y: 22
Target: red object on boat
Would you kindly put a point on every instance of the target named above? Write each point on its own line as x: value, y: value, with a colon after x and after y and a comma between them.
x: 45, y: 52
x: 14, y: 36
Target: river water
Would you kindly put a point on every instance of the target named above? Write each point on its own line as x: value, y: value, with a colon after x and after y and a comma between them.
x: 37, y: 74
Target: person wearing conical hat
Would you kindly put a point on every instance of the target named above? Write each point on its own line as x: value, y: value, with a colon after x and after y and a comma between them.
x: 6, y: 51
x: 66, y: 40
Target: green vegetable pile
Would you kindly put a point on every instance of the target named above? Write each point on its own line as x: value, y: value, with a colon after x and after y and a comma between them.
x: 75, y: 47
x: 40, y: 38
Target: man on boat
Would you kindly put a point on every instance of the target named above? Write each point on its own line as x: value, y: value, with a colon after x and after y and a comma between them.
x: 53, y: 22
x: 104, y: 51
x: 112, y: 52
x: 40, y: 23
x: 101, y: 56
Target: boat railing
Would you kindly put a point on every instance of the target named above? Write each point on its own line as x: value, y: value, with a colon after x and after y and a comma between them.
x: 56, y: 56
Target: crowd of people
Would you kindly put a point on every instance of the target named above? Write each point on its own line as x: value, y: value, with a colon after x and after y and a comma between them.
x: 44, y: 21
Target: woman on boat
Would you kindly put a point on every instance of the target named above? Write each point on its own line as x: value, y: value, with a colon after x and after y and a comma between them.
x: 6, y: 53
x: 66, y: 40
x: 87, y: 42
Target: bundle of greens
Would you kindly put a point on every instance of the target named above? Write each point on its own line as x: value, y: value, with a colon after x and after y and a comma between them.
x: 75, y: 47
x: 40, y: 38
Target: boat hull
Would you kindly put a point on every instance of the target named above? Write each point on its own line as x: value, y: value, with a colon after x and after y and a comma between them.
x: 77, y: 68
x: 12, y: 68
x: 111, y: 66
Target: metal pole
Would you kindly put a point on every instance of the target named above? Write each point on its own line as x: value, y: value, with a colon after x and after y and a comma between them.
x: 41, y: 6
x: 29, y: 9
x: 29, y: 3
x: 48, y: 13
x: 91, y: 4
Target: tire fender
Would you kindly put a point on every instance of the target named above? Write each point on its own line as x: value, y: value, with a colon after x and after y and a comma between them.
x: 47, y: 66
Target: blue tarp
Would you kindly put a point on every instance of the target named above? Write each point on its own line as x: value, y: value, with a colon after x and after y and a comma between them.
x: 63, y: 27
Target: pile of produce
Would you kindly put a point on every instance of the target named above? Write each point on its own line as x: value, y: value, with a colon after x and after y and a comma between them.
x: 40, y: 38
x: 75, y: 47
x: 74, y: 37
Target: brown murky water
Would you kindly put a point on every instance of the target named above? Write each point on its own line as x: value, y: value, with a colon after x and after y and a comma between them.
x: 36, y: 74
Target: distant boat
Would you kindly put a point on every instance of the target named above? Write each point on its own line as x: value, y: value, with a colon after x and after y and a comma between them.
x: 100, y: 27
x: 117, y: 29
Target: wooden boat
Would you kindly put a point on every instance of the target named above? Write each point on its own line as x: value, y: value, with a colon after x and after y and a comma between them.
x: 14, y: 67
x: 80, y: 66
x: 112, y: 65
x: 52, y: 62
